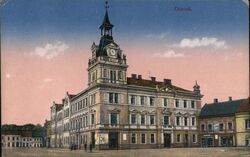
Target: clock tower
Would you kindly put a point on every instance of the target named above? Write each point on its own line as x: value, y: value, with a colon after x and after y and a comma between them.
x: 108, y: 63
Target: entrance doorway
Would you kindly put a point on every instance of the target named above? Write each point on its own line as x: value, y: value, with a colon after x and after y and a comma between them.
x: 186, y: 140
x: 113, y: 140
x: 93, y: 139
x: 167, y: 140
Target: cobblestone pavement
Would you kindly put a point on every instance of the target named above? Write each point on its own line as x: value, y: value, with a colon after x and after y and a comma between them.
x: 172, y: 152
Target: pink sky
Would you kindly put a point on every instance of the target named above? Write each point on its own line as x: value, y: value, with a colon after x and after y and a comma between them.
x: 30, y: 83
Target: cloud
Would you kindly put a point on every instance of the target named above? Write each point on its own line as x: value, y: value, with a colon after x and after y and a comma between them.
x: 169, y: 54
x: 50, y: 51
x: 47, y: 80
x: 7, y: 75
x: 246, y: 2
x: 203, y: 42
x: 156, y: 36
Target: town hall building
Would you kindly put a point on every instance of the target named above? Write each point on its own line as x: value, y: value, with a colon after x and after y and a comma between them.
x: 120, y: 112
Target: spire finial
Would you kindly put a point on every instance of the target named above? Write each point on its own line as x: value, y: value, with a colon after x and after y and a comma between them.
x: 106, y: 5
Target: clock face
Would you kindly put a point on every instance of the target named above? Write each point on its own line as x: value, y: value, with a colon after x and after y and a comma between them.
x: 111, y: 52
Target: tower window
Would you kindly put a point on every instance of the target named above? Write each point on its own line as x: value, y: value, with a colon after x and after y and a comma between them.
x: 113, y: 76
x: 105, y: 73
x: 120, y: 75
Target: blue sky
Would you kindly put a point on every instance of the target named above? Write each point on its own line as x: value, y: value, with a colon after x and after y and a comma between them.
x: 24, y: 21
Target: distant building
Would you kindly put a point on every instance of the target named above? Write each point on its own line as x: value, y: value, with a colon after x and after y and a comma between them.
x: 243, y: 124
x: 14, y: 141
x: 120, y: 112
x: 218, y: 123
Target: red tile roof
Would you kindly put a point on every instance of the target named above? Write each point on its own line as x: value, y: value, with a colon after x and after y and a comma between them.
x: 153, y: 84
x: 245, y: 106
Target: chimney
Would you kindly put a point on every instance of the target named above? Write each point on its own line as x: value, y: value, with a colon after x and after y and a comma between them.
x: 133, y: 76
x: 167, y: 82
x: 230, y: 98
x: 139, y: 77
x: 215, y: 100
x: 153, y: 79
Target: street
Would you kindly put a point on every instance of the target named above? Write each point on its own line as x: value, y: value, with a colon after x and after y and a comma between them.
x: 172, y: 152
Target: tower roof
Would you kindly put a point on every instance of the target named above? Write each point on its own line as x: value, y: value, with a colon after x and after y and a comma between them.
x: 106, y: 22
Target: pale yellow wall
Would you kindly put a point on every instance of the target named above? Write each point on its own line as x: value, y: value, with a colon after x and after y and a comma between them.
x: 241, y: 131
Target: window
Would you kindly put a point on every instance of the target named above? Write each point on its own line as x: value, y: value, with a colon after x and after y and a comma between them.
x: 230, y: 126
x: 152, y: 119
x: 186, y: 121
x: 105, y: 72
x: 166, y: 120
x: 185, y: 103
x: 178, y: 121
x: 177, y: 103
x: 92, y: 119
x: 151, y: 101
x: 210, y: 127
x: 120, y: 75
x: 247, y: 123
x: 193, y: 121
x: 142, y: 100
x: 152, y: 138
x: 165, y: 102
x: 194, y: 138
x: 13, y: 138
x: 113, y: 97
x: 113, y: 119
x: 133, y: 138
x: 192, y: 104
x: 142, y: 119
x: 92, y: 99
x: 143, y: 138
x: 221, y: 127
x: 110, y: 97
x: 133, y: 118
x: 116, y: 97
x: 178, y: 138
x: 132, y: 99
x: 8, y: 138
x: 202, y: 127
x: 113, y: 76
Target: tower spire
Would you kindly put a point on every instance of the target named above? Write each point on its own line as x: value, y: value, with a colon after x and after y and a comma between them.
x: 106, y: 5
x: 106, y: 27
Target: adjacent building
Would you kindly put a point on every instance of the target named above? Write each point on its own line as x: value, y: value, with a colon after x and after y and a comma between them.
x: 120, y: 112
x: 243, y: 124
x: 24, y: 140
x: 218, y: 123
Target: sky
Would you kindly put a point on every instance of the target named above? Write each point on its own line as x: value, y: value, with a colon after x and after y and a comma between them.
x: 45, y: 46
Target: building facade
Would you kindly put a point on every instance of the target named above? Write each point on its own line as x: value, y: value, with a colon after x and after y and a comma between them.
x: 218, y: 123
x: 243, y: 124
x: 17, y: 141
x: 120, y: 112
